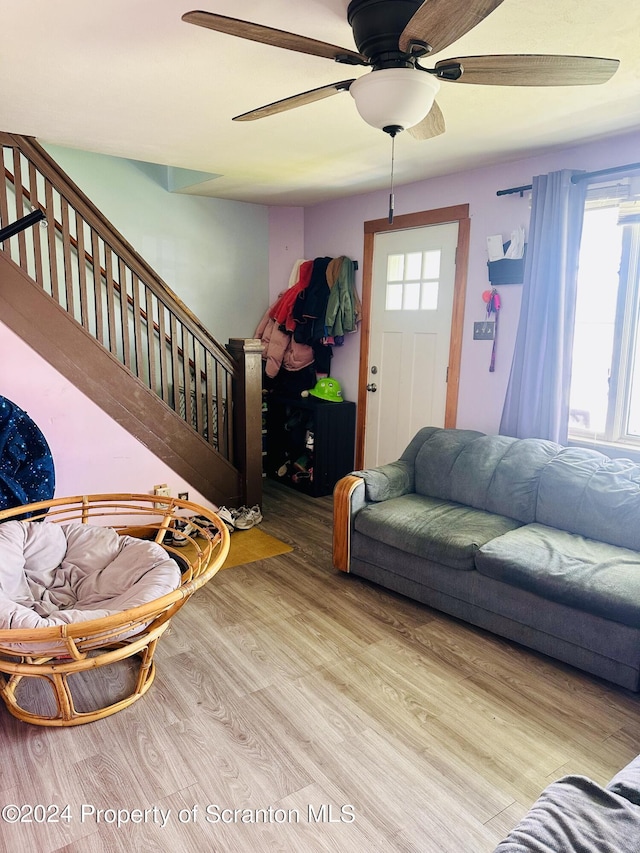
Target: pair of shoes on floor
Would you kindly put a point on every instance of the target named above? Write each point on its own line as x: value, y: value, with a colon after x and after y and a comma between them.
x: 197, y: 525
x: 247, y: 517
x: 240, y: 519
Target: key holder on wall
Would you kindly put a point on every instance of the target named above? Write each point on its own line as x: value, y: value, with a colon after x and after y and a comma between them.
x: 492, y: 300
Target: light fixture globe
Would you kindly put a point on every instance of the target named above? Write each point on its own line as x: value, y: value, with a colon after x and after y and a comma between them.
x: 394, y: 97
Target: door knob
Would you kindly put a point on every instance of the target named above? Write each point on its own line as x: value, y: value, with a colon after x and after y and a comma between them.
x: 372, y: 387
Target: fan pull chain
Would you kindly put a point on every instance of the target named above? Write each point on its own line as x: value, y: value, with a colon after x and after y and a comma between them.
x: 391, y: 194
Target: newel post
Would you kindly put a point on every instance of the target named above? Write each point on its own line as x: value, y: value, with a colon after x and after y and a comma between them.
x: 247, y: 416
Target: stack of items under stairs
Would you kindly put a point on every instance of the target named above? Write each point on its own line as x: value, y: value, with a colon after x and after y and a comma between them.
x: 243, y: 518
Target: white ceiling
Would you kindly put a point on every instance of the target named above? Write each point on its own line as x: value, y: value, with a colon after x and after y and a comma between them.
x: 129, y: 78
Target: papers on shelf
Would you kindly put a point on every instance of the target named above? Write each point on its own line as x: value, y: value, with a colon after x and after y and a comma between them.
x: 515, y: 249
x: 516, y: 246
x: 494, y: 247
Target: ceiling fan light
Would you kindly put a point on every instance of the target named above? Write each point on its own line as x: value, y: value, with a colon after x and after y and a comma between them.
x: 399, y: 97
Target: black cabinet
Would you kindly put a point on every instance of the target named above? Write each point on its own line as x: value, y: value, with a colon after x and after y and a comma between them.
x: 309, y: 442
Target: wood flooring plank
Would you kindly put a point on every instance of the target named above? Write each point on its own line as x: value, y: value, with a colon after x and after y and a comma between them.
x: 284, y: 684
x: 330, y: 822
x: 504, y: 821
x: 250, y: 749
x: 603, y: 759
x: 412, y: 803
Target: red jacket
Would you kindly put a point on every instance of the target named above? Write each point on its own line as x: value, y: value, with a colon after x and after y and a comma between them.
x: 282, y: 309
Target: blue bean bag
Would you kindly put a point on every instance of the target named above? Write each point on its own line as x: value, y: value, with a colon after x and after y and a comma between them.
x: 27, y: 472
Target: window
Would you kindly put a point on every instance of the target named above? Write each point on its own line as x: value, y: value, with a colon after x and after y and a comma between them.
x: 413, y: 281
x: 605, y: 378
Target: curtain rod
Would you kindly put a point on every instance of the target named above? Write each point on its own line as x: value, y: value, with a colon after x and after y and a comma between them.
x: 513, y: 190
x: 584, y: 176
x: 576, y: 179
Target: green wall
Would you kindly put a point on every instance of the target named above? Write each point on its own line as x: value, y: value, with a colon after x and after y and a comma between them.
x: 213, y: 253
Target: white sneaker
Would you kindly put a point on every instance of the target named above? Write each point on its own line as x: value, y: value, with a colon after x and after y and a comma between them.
x: 228, y: 516
x: 182, y: 533
x: 247, y: 517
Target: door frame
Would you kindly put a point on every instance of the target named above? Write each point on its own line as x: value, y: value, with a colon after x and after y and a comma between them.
x: 456, y: 213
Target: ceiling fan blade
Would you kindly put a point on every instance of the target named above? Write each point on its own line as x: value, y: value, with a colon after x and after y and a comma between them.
x: 431, y: 125
x: 441, y: 22
x: 295, y: 101
x: 277, y: 38
x: 533, y: 70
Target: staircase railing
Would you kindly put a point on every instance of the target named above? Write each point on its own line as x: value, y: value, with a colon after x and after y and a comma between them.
x: 95, y: 275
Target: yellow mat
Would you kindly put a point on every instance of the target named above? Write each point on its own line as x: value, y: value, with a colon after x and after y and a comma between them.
x: 247, y: 546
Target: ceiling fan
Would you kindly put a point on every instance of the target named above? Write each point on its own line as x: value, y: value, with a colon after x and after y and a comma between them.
x: 391, y: 37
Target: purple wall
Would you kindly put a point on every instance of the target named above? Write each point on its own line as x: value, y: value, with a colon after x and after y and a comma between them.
x: 286, y: 246
x: 336, y: 228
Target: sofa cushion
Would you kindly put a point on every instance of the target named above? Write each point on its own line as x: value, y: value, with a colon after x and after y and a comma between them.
x: 568, y: 568
x: 501, y: 474
x: 493, y: 472
x: 441, y: 531
x: 585, y: 492
x: 435, y: 459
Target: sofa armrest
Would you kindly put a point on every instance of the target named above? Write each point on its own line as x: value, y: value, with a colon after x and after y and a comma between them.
x: 348, y: 499
x: 388, y: 481
x: 355, y: 491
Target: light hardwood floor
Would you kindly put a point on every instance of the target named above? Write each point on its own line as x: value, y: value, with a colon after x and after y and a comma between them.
x: 336, y: 715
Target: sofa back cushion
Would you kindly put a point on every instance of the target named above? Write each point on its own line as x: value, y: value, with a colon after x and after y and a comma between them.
x: 502, y: 474
x: 436, y: 457
x: 585, y: 492
x: 496, y: 473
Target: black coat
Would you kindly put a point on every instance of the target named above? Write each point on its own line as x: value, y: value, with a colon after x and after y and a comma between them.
x: 310, y: 307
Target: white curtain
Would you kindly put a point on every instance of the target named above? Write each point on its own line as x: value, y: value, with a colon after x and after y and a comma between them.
x: 537, y: 399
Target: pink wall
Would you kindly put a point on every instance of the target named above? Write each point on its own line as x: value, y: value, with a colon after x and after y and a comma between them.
x: 286, y: 246
x: 91, y: 452
x: 336, y: 227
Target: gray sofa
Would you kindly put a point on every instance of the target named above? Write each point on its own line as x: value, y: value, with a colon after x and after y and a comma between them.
x: 576, y: 814
x: 530, y: 540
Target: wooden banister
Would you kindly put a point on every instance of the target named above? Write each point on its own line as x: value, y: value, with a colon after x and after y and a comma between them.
x: 96, y: 219
x: 91, y: 271
x: 248, y: 415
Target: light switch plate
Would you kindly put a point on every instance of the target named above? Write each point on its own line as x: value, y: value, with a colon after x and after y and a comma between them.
x: 484, y: 331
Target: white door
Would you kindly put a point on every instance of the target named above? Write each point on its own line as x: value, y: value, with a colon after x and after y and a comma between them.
x: 412, y: 300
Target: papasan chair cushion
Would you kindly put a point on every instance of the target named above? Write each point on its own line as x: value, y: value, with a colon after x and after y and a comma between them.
x: 52, y: 574
x: 27, y: 472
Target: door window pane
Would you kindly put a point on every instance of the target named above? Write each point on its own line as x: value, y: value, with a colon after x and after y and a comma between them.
x: 430, y: 295
x: 414, y: 266
x: 412, y: 296
x: 394, y: 297
x: 413, y: 281
x: 432, y: 264
x: 395, y: 267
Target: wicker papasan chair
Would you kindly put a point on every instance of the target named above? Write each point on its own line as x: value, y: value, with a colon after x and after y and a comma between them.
x: 89, y: 582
